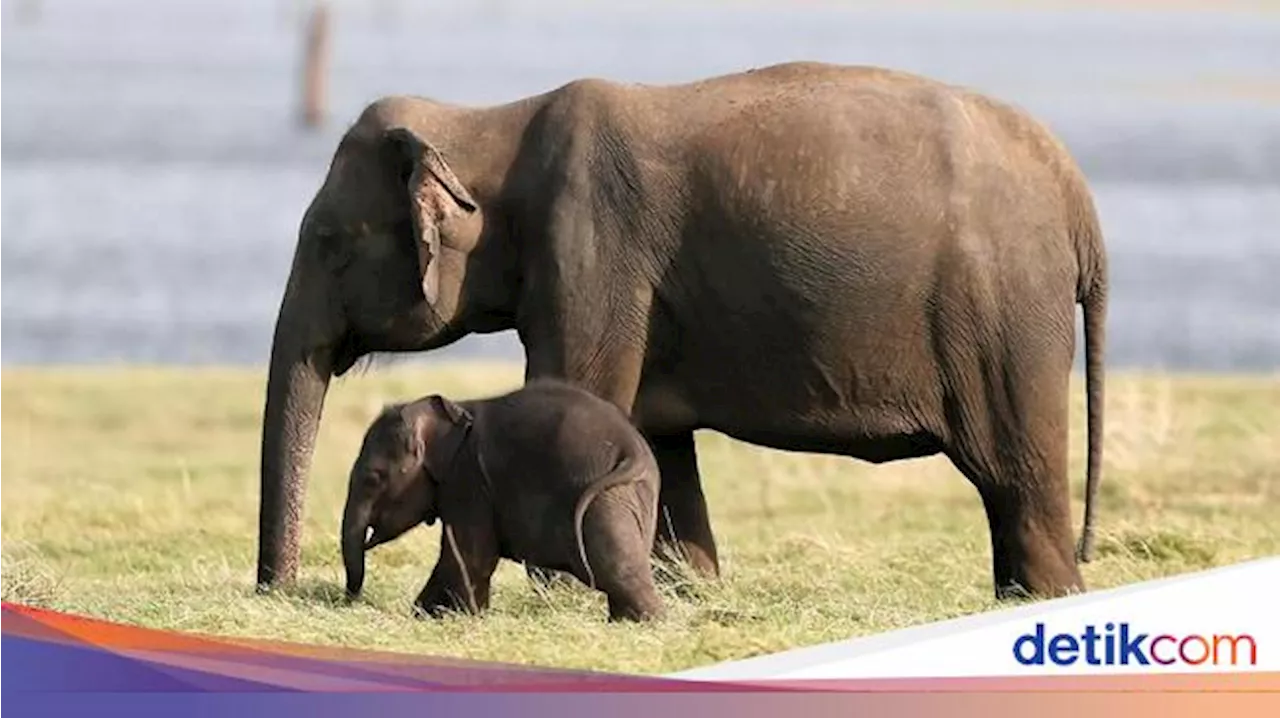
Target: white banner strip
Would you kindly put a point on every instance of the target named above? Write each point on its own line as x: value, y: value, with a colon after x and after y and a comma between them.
x: 1225, y: 619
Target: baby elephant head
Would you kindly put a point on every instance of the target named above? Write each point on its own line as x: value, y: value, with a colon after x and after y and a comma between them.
x: 395, y: 480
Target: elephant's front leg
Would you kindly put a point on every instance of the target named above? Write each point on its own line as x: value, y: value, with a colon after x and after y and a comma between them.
x: 614, y: 378
x: 684, y: 526
x: 461, y: 579
x: 604, y: 355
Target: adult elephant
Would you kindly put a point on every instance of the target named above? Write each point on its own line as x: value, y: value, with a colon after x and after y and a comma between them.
x: 810, y: 257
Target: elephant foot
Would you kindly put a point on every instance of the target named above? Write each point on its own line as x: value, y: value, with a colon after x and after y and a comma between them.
x: 437, y: 599
x: 1033, y: 556
x: 640, y: 606
x: 438, y: 608
x: 1031, y: 581
x: 700, y: 558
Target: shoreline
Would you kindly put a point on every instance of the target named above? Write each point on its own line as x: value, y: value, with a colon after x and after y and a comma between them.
x: 110, y: 370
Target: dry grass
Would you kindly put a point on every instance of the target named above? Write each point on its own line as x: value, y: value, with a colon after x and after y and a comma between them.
x: 131, y: 494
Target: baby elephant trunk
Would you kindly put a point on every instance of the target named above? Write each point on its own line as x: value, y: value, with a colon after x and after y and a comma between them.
x: 355, y: 524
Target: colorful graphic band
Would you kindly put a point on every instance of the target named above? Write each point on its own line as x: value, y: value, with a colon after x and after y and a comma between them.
x: 56, y: 664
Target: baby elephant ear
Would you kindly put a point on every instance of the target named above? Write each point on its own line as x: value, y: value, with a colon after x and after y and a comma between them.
x: 454, y: 413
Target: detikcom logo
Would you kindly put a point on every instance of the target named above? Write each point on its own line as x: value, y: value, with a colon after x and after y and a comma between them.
x: 1117, y: 644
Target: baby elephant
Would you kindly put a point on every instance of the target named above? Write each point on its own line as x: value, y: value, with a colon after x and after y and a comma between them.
x: 549, y: 475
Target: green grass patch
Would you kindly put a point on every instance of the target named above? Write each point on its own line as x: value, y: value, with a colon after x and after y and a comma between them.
x: 131, y: 494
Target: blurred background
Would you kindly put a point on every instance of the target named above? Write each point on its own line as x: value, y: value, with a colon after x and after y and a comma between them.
x: 155, y: 164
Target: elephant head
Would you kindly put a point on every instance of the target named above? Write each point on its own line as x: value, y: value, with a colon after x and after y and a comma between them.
x: 395, y: 482
x: 395, y: 253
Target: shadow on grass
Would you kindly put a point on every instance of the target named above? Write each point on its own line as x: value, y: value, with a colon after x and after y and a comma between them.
x: 324, y: 593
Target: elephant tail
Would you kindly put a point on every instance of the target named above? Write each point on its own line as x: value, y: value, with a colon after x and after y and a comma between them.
x: 627, y: 471
x: 1093, y: 298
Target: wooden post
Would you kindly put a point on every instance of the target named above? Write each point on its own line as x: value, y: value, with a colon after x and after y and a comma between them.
x: 315, y: 67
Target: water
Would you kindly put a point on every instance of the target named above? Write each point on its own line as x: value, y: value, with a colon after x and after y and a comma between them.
x: 154, y: 174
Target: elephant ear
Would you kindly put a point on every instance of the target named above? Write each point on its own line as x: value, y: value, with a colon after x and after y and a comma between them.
x: 440, y: 455
x: 456, y: 414
x: 435, y: 195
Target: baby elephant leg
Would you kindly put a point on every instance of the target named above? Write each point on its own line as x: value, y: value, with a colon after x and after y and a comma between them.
x: 618, y: 547
x: 461, y: 579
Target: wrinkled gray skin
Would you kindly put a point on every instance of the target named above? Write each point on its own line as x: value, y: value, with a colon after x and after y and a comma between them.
x: 808, y: 257
x: 549, y: 475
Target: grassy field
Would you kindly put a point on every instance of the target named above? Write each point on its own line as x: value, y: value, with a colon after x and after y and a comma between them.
x: 131, y: 494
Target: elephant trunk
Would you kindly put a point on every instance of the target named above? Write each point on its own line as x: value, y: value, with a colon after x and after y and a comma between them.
x: 355, y: 524
x: 301, y: 364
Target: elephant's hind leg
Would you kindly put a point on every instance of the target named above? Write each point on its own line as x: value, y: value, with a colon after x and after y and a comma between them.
x: 1011, y: 442
x: 617, y: 540
x: 684, y: 524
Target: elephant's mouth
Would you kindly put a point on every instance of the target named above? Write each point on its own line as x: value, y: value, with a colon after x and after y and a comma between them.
x: 428, y: 334
x: 346, y: 354
x: 376, y: 538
